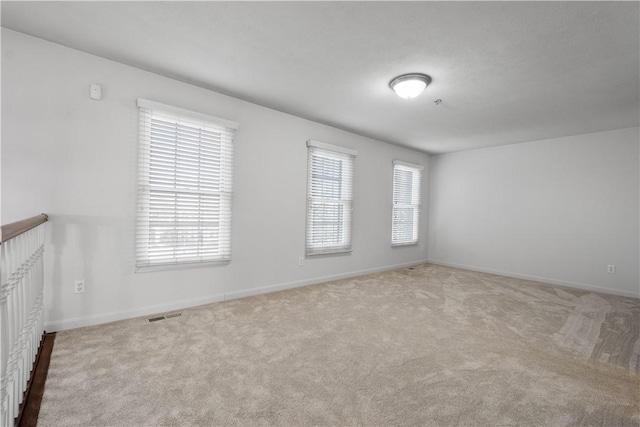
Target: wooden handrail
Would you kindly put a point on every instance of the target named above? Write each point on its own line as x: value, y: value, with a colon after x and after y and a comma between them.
x: 14, y: 229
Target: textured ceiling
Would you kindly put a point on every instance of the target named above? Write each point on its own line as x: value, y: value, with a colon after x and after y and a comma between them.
x: 506, y: 72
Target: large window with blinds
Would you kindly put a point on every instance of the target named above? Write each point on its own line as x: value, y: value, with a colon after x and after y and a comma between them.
x: 329, y: 198
x: 406, y: 203
x: 185, y: 173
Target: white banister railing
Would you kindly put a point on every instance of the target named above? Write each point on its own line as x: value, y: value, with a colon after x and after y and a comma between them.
x: 21, y: 310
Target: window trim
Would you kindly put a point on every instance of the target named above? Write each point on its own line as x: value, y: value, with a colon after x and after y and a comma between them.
x: 418, y: 206
x: 143, y: 188
x: 331, y: 147
x: 342, y: 250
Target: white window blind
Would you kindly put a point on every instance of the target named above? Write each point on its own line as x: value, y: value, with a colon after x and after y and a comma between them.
x: 406, y: 203
x: 329, y: 198
x: 185, y: 172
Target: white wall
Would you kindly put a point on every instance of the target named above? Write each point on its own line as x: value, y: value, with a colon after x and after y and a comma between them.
x: 558, y: 210
x: 75, y: 159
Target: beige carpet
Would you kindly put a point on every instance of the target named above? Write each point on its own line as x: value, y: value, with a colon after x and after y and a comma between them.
x: 429, y: 346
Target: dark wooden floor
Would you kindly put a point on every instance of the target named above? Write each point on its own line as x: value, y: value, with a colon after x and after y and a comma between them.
x: 30, y: 408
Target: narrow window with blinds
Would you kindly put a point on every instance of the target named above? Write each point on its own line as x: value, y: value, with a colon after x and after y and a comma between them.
x: 185, y: 173
x: 329, y: 198
x: 406, y: 203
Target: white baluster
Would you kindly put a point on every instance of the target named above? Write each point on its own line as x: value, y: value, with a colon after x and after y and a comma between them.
x: 21, y: 316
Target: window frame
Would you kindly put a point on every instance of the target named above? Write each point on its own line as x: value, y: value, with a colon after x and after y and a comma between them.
x: 186, y: 223
x: 346, y: 189
x: 414, y: 205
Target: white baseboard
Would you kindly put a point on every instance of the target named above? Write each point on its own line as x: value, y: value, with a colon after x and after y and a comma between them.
x: 545, y: 280
x: 98, y: 319
x: 315, y: 280
x: 79, y: 322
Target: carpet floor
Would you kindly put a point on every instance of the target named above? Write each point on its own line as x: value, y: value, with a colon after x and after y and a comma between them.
x: 429, y: 346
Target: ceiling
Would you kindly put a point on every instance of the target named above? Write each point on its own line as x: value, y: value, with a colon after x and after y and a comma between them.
x: 506, y: 72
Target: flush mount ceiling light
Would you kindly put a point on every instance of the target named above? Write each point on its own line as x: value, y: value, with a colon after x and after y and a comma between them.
x: 409, y: 86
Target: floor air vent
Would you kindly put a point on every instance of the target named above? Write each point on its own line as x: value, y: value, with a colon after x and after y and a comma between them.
x: 166, y: 316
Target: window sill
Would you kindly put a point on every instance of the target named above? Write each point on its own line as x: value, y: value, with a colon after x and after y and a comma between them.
x: 401, y: 245
x: 328, y: 254
x: 179, y: 266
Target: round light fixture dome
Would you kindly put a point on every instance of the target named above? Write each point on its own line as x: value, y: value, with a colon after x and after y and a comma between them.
x: 409, y: 86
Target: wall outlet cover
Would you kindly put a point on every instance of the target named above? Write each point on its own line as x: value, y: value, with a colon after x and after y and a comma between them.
x: 78, y: 287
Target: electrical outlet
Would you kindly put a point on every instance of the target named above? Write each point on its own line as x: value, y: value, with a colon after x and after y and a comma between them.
x: 611, y: 269
x: 78, y: 287
x: 300, y: 261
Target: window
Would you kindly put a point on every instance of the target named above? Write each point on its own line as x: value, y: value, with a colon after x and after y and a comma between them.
x: 406, y: 203
x: 329, y: 198
x: 185, y: 171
